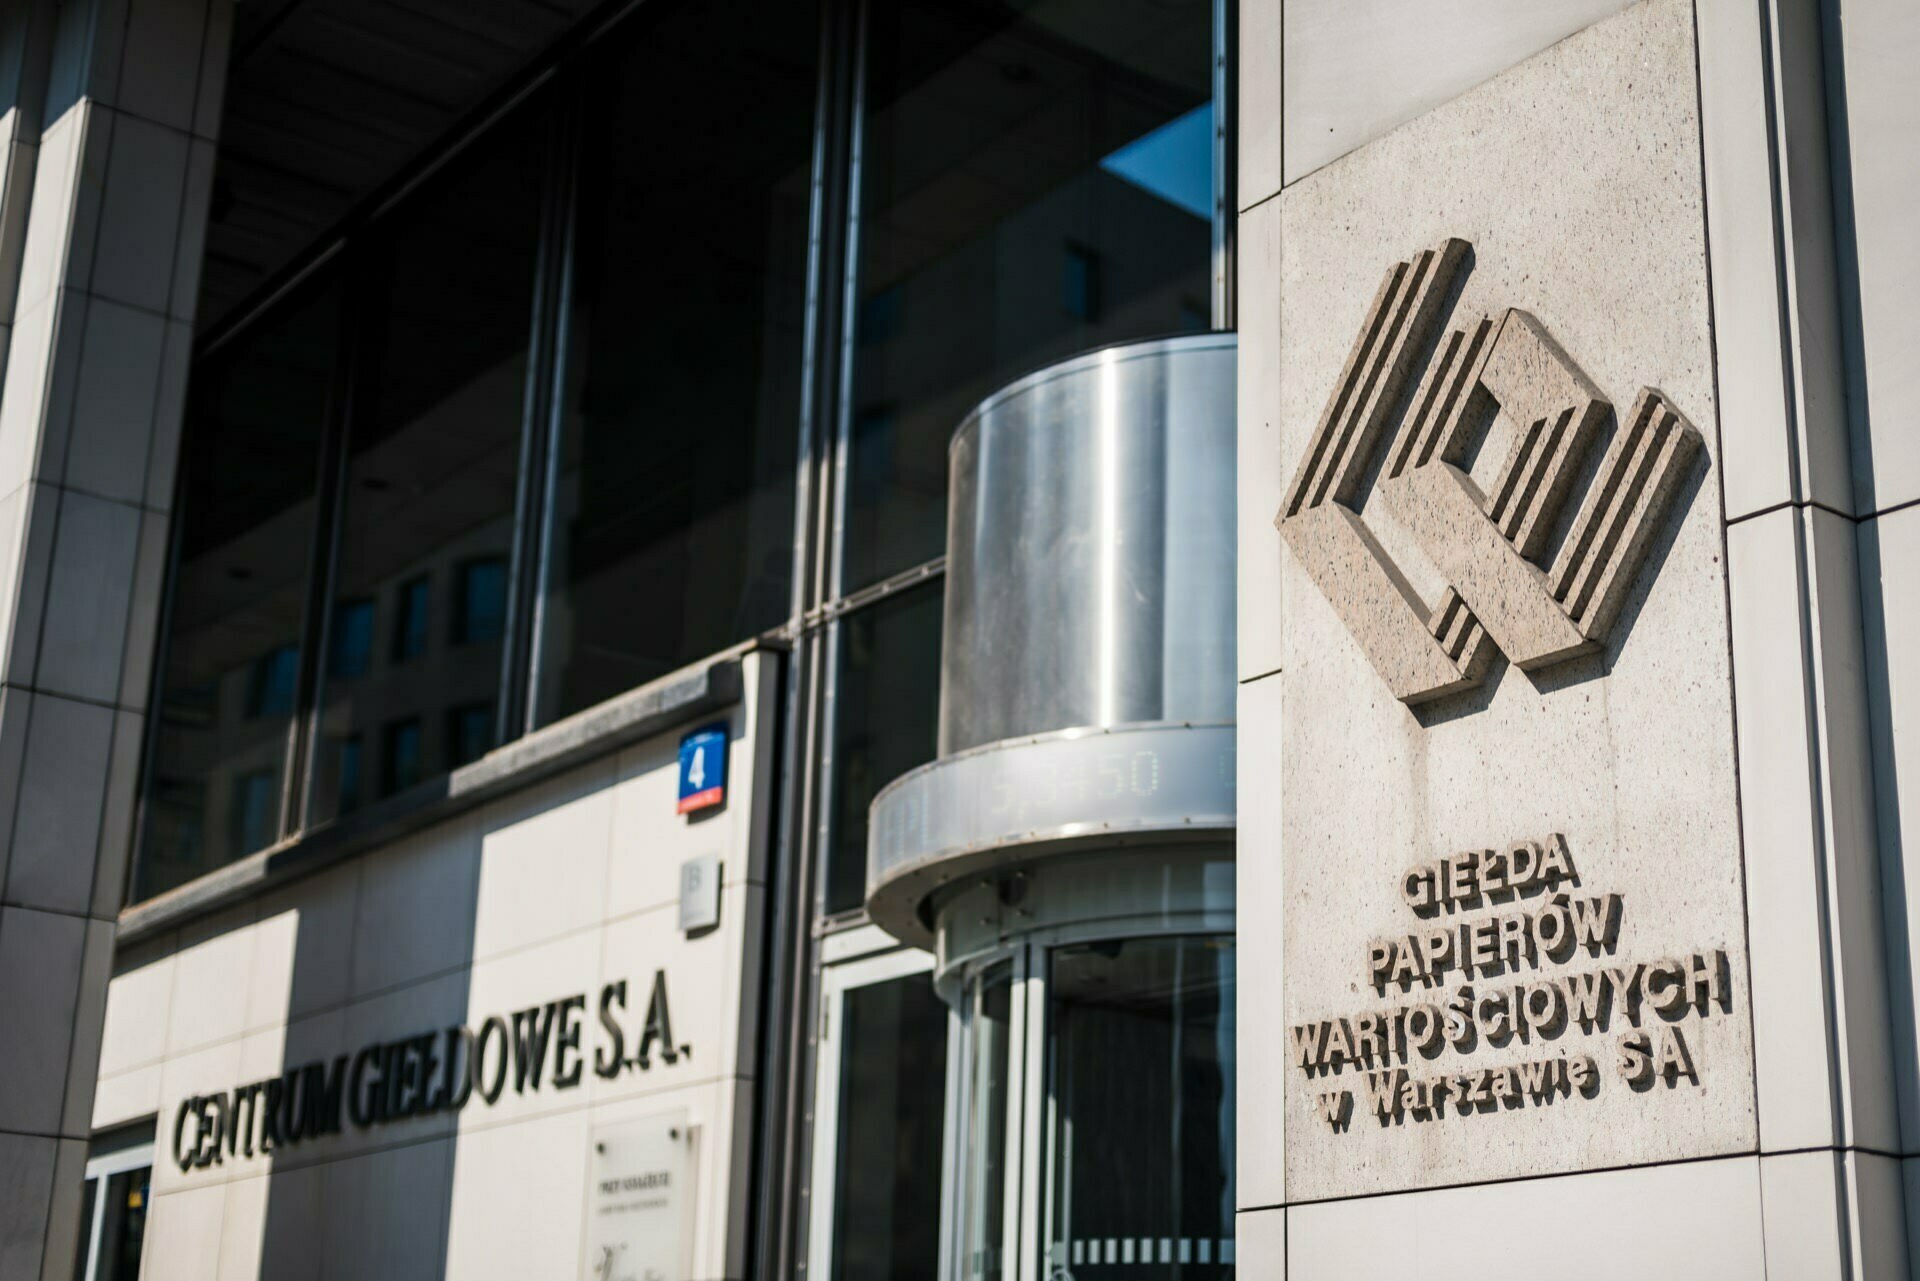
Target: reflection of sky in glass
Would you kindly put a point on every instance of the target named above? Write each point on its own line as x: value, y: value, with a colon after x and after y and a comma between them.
x: 1174, y: 162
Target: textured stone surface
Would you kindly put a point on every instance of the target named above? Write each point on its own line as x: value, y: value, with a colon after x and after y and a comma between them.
x: 1576, y: 178
x: 1491, y: 546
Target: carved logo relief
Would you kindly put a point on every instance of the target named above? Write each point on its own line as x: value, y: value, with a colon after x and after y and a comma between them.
x: 1503, y: 590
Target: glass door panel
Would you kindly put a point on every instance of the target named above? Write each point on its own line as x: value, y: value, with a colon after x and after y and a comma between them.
x: 1138, y: 1153
x: 879, y: 1122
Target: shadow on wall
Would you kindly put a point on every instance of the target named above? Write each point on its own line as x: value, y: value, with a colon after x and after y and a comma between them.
x: 361, y: 979
x: 366, y: 1121
x: 1886, y: 791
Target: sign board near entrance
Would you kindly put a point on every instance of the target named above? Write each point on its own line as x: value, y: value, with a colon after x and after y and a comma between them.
x: 640, y: 1200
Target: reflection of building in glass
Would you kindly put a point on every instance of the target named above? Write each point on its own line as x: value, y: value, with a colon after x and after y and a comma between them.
x: 646, y: 634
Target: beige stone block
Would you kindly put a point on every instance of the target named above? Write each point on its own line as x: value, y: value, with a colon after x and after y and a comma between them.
x: 706, y: 981
x: 1355, y: 71
x: 302, y: 947
x: 416, y: 907
x: 528, y: 980
x: 126, y: 1096
x: 42, y: 958
x: 1880, y: 42
x: 649, y: 843
x: 1889, y: 555
x: 183, y: 1233
x: 1575, y: 178
x: 543, y: 860
x: 213, y: 1070
x: 1757, y: 463
x: 368, y: 1240
x: 1260, y: 479
x: 1258, y: 120
x: 1693, y: 1222
x: 211, y: 979
x: 293, y: 1219
x: 1261, y: 955
x: 26, y: 1194
x: 1260, y: 1244
x: 502, y: 1224
x: 136, y: 1026
x: 1813, y: 880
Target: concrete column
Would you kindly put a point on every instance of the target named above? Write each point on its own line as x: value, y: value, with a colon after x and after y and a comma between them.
x: 120, y: 159
x: 1826, y: 1052
x: 26, y: 42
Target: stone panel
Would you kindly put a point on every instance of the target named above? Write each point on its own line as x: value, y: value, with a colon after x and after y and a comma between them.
x: 1880, y: 41
x: 1575, y: 180
x: 1355, y: 69
x: 1697, y: 1221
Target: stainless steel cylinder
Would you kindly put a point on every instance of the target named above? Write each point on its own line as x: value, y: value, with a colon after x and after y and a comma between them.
x: 1090, y: 546
x: 1087, y: 678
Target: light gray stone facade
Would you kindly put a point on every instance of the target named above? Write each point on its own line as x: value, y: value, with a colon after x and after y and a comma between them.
x: 1680, y: 195
x: 106, y: 160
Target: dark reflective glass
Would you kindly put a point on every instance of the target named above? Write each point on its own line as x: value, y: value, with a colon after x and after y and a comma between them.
x: 125, y: 1230
x: 114, y: 1254
x: 433, y: 456
x: 886, y: 1195
x: 1037, y: 179
x: 227, y: 687
x: 1139, y: 1160
x: 885, y: 721
x: 672, y: 529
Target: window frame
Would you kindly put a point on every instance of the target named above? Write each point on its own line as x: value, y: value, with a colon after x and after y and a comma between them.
x: 836, y: 983
x: 101, y: 1169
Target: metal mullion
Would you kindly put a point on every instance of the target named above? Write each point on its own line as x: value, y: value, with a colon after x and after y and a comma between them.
x: 825, y: 252
x: 95, y: 1226
x: 542, y: 410
x: 323, y: 561
x: 550, y: 435
x: 826, y: 702
x: 956, y: 1206
x: 1037, y: 1107
x: 1225, y: 152
x: 809, y: 661
x: 893, y: 585
x: 785, y: 1176
x: 850, y: 285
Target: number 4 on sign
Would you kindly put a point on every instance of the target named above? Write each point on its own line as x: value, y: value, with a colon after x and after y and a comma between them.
x: 703, y: 769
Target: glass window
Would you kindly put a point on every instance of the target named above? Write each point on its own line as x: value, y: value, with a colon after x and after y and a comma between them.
x: 1037, y: 179
x: 351, y: 790
x: 885, y: 721
x: 227, y: 684
x: 886, y: 1195
x: 351, y: 653
x: 671, y: 533
x: 400, y: 756
x: 410, y: 609
x: 480, y: 611
x: 124, y: 1226
x: 469, y: 733
x: 433, y: 456
x: 1140, y: 1054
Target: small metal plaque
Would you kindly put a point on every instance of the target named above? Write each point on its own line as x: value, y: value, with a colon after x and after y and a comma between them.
x: 700, y: 893
x: 640, y: 1200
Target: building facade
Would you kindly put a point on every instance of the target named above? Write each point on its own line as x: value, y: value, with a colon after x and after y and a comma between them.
x: 671, y: 638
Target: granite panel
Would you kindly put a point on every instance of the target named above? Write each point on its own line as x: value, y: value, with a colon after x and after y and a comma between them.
x: 1575, y: 178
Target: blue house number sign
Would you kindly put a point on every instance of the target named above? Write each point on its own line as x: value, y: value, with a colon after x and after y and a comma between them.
x: 703, y: 769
